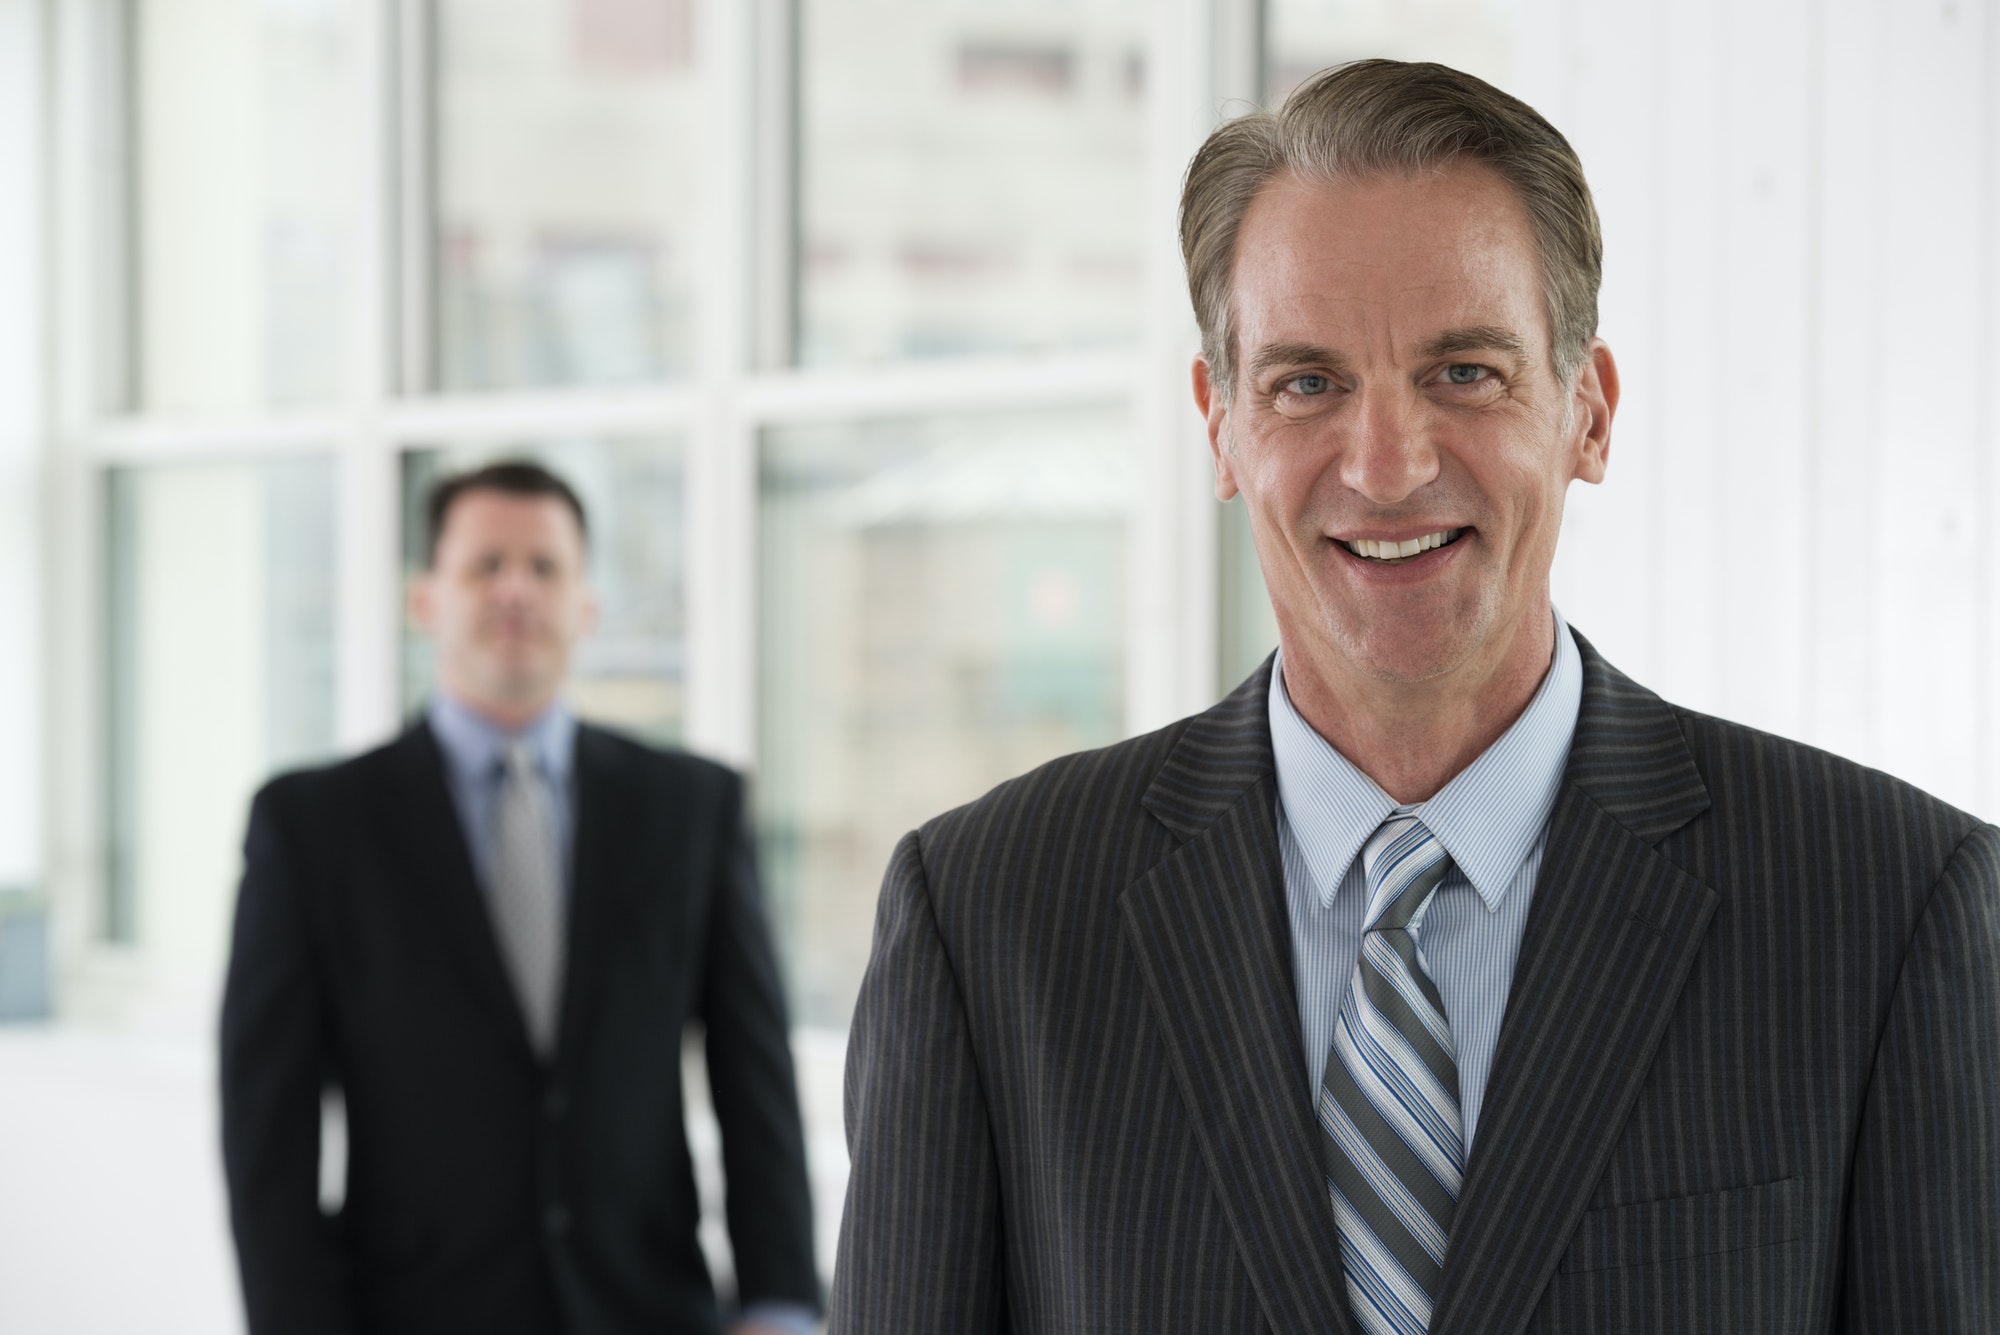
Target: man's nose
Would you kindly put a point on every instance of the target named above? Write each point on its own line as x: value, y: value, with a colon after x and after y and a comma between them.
x: 1387, y: 454
x: 513, y: 579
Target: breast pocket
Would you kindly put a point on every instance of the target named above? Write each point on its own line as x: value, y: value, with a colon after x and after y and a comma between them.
x: 1683, y: 1227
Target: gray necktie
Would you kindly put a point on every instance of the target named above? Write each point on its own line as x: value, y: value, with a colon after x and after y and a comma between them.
x: 527, y: 892
x: 1392, y: 1141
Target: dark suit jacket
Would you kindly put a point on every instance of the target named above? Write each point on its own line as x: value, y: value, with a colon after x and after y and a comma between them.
x: 1748, y: 1078
x: 488, y: 1191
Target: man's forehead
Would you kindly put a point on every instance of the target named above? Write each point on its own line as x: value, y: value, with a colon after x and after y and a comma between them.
x: 1466, y: 186
x: 1439, y: 261
x: 489, y: 517
x: 1469, y: 209
x: 491, y: 506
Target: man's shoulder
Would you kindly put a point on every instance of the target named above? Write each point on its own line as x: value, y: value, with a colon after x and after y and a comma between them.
x: 1758, y: 785
x: 1087, y: 814
x: 1781, y: 809
x: 352, y: 799
x: 414, y: 751
x: 1121, y: 768
x: 348, y: 776
x: 1749, y: 769
x: 1174, y: 776
x: 613, y: 751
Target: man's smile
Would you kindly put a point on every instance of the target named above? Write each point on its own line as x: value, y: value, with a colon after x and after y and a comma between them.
x: 1391, y: 552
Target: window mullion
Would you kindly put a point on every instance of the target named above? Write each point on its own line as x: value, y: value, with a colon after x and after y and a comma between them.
x: 366, y: 517
x: 721, y: 454
x: 1171, y: 556
x: 407, y: 50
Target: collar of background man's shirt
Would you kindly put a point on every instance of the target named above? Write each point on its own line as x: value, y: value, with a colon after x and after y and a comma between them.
x: 473, y: 744
x: 1488, y: 817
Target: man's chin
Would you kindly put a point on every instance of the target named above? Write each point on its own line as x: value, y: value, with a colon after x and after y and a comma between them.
x: 518, y: 686
x: 1403, y: 654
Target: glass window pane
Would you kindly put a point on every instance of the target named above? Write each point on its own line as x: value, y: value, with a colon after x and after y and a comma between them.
x: 941, y: 607
x: 970, y: 176
x: 568, y: 134
x: 631, y: 672
x: 1302, y: 37
x: 243, y: 121
x: 222, y: 613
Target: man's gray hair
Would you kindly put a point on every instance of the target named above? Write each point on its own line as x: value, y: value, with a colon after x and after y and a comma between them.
x: 1377, y: 117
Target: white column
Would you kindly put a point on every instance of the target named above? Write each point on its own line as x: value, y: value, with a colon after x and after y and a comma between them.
x: 1170, y: 593
x: 745, y: 270
x: 22, y: 434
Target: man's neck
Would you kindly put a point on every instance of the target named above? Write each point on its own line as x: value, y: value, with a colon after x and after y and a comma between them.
x: 507, y: 715
x: 1412, y: 738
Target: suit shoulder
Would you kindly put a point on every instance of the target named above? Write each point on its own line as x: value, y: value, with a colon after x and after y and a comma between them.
x: 1792, y: 787
x: 320, y: 808
x: 622, y: 750
x: 1083, y: 791
x: 333, y: 780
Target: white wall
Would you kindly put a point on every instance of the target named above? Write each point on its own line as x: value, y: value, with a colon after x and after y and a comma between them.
x: 1801, y: 205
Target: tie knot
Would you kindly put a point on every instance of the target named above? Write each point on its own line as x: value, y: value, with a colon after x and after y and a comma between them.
x: 517, y: 762
x: 1404, y: 864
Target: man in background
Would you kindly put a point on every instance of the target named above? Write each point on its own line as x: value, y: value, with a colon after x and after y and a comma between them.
x: 1440, y: 979
x: 488, y: 936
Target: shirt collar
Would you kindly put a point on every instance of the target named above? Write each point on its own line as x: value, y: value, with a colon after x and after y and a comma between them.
x: 1488, y: 817
x: 473, y: 744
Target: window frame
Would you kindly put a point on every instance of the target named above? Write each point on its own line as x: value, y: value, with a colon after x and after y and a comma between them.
x: 1201, y: 55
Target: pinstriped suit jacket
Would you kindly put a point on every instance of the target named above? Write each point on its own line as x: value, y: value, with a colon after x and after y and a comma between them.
x: 1748, y: 1078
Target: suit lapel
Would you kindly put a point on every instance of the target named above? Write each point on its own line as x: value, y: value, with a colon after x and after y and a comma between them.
x: 1208, y: 928
x: 605, y: 802
x: 444, y: 889
x: 1614, y: 929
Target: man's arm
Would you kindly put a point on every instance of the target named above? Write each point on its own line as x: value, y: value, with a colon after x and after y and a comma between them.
x: 1923, y: 1225
x: 756, y: 1098
x: 272, y: 1064
x: 920, y: 1241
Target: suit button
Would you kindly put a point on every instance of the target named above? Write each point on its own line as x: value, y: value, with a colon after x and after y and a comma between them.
x: 555, y: 1104
x: 556, y: 1221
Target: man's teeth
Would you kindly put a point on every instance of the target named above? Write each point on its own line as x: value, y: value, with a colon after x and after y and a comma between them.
x: 1401, y: 551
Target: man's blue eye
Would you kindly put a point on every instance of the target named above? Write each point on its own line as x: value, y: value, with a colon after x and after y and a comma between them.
x: 1309, y: 384
x: 1464, y: 373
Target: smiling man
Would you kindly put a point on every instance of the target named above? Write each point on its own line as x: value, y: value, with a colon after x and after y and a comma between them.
x: 489, y: 936
x: 1439, y: 979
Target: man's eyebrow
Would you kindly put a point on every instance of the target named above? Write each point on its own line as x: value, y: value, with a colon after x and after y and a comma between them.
x: 1475, y: 338
x: 1273, y: 355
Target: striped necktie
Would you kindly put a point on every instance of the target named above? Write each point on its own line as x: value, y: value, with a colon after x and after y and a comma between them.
x: 1391, y: 1139
x: 527, y: 892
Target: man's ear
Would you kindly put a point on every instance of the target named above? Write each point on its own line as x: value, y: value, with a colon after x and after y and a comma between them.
x: 421, y: 602
x: 1592, y: 405
x: 1208, y: 398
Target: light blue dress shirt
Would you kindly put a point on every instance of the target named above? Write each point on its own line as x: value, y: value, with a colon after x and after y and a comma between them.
x: 473, y: 747
x: 1491, y: 818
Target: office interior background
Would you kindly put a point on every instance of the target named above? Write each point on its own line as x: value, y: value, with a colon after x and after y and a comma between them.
x: 860, y: 326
